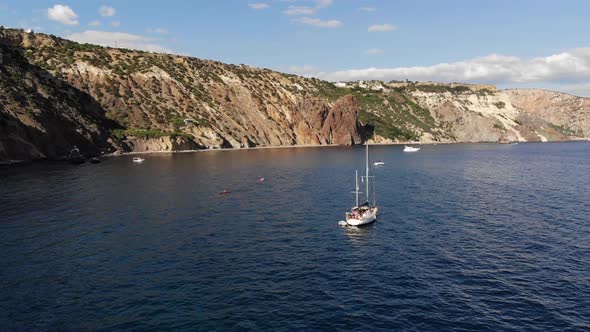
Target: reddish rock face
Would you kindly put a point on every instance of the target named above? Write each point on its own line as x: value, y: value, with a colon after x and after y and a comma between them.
x: 341, y: 125
x: 308, y: 118
x: 318, y: 123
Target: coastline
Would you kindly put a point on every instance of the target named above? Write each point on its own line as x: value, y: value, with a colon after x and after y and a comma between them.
x: 306, y: 146
x: 222, y: 149
x: 120, y: 154
x: 322, y: 146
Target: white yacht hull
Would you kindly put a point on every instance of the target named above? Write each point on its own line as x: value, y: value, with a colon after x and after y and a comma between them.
x: 359, y: 221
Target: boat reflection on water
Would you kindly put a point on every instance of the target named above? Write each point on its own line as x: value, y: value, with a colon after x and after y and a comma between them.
x: 360, y: 234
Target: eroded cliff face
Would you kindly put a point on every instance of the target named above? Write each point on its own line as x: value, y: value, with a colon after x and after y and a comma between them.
x: 56, y: 94
x: 42, y: 117
x: 121, y: 100
x: 500, y: 116
x: 318, y: 123
x: 559, y: 109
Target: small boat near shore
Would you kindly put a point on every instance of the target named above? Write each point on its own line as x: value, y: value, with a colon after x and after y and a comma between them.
x: 138, y: 159
x: 75, y: 157
x: 410, y: 149
x: 378, y: 163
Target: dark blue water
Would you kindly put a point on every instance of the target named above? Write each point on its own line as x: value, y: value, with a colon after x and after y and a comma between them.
x: 469, y: 238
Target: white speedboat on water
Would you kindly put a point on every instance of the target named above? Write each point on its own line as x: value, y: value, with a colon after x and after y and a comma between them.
x: 138, y: 159
x: 378, y: 163
x: 410, y: 149
x: 362, y: 214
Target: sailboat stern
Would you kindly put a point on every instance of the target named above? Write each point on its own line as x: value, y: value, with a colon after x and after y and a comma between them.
x: 361, y: 216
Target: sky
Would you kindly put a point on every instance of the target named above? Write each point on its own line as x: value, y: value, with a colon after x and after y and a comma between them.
x: 510, y: 43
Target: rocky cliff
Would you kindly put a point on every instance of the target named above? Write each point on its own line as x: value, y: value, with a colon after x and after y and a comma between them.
x: 42, y: 116
x: 56, y: 94
x: 508, y: 115
x: 558, y: 109
x: 111, y: 99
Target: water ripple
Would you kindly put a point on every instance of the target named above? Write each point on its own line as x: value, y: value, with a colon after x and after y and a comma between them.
x: 470, y: 238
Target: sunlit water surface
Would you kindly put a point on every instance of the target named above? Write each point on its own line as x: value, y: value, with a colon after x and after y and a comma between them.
x: 469, y: 238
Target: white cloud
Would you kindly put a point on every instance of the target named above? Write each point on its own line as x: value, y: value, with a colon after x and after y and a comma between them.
x: 307, y: 10
x: 118, y: 39
x: 299, y: 10
x: 368, y: 9
x: 374, y: 51
x: 107, y: 11
x: 116, y: 24
x: 258, y: 5
x: 62, y: 14
x: 318, y: 23
x: 570, y: 71
x: 382, y: 28
x: 94, y: 23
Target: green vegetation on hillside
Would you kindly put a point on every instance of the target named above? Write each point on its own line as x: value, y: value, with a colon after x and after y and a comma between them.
x: 437, y: 88
x: 500, y: 104
x: 566, y: 131
x: 392, y: 114
x: 151, y: 103
x: 133, y: 86
x: 147, y: 133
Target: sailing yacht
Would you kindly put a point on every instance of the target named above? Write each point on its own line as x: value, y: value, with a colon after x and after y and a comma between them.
x: 365, y: 213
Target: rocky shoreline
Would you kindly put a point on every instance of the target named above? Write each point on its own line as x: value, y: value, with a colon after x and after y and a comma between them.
x: 135, y: 153
x: 323, y: 146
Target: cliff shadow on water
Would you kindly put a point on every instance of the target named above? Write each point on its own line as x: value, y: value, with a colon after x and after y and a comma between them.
x: 43, y: 116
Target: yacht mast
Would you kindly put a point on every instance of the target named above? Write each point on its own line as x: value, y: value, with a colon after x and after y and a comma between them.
x: 356, y: 178
x: 367, y: 170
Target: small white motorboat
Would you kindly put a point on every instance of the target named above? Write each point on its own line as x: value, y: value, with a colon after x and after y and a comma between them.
x: 378, y: 163
x: 410, y: 149
x: 138, y: 159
